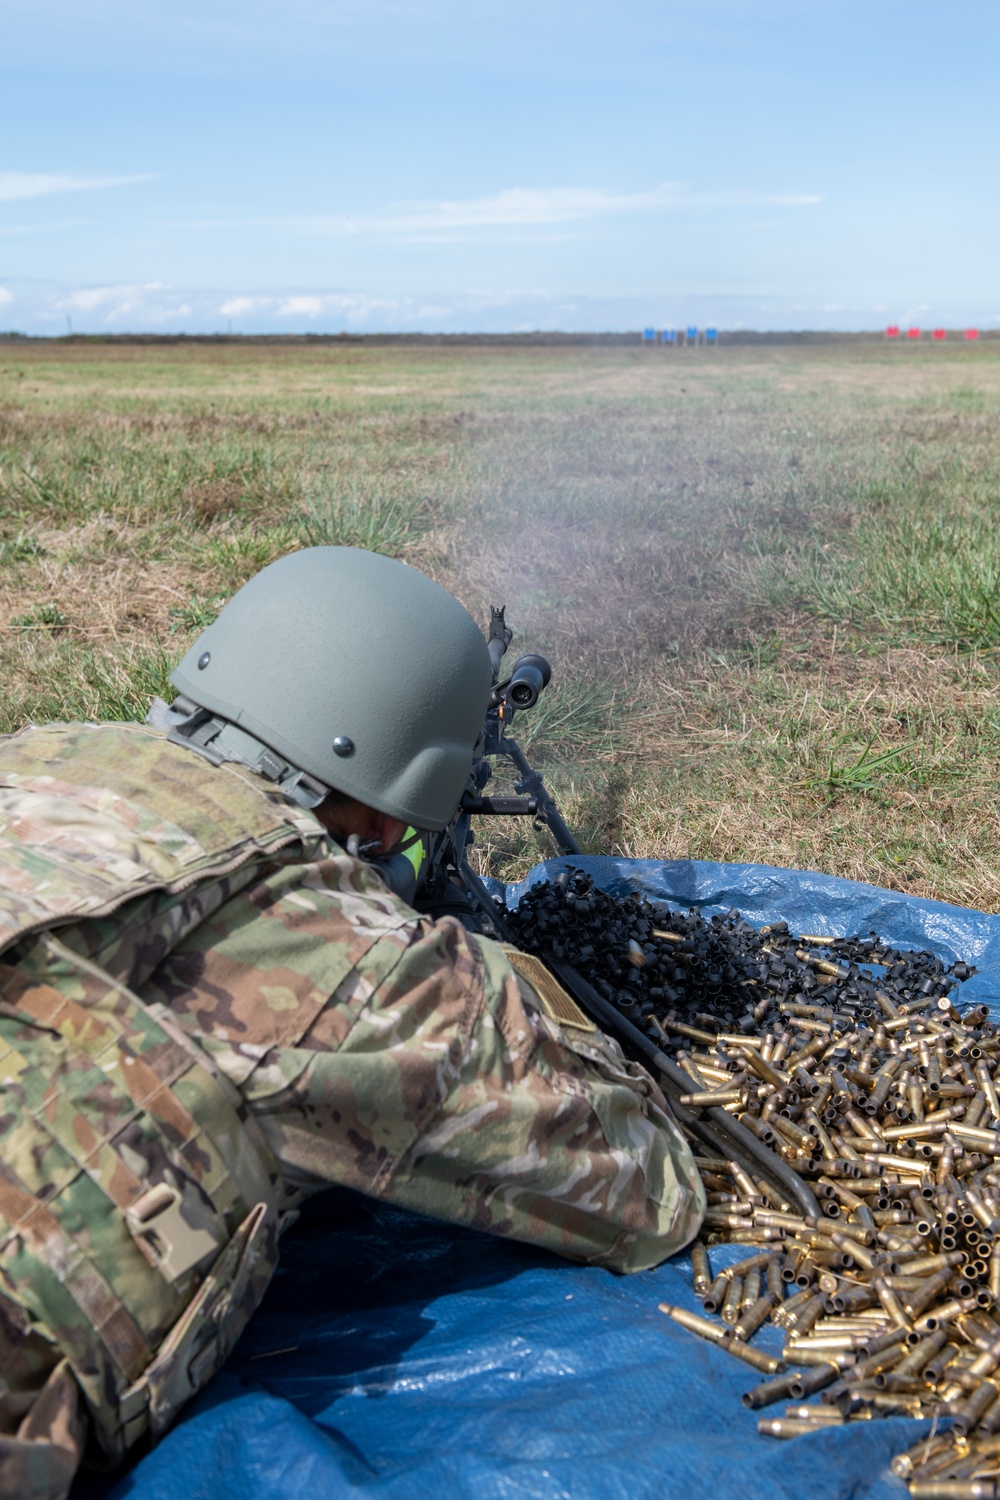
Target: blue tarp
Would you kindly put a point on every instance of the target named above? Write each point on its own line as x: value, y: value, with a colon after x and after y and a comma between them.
x: 397, y: 1359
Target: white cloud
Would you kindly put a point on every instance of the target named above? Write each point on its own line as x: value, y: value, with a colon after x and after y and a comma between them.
x: 351, y: 307
x: 523, y: 207
x: 115, y: 302
x: 14, y: 185
x: 143, y: 305
x: 303, y: 307
x: 238, y: 307
x: 6, y: 297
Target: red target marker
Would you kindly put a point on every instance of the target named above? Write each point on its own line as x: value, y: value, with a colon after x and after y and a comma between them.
x: 972, y: 333
x: 940, y: 334
x: 892, y: 332
x: 913, y: 333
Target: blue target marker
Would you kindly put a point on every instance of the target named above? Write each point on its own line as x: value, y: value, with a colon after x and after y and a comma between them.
x: 649, y: 335
x: 711, y: 335
x: 670, y: 335
x: 692, y: 335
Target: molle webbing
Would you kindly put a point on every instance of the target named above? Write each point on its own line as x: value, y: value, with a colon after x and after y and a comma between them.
x: 126, y: 1169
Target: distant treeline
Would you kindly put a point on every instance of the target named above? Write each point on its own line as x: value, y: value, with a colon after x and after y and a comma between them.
x: 734, y: 336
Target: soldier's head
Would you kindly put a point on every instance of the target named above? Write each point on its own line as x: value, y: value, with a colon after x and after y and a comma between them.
x: 353, y: 681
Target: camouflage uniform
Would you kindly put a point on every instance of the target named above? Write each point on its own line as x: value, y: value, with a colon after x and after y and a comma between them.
x: 207, y: 1011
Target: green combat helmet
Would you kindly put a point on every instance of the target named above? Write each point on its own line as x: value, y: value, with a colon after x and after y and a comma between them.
x: 339, y: 668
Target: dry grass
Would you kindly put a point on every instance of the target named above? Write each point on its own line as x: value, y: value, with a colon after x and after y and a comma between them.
x: 768, y: 579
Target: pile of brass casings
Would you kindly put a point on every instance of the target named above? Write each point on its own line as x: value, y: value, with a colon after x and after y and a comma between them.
x: 869, y: 1083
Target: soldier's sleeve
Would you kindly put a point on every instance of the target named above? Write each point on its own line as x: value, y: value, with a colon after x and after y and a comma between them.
x: 548, y: 1134
x: 405, y: 1058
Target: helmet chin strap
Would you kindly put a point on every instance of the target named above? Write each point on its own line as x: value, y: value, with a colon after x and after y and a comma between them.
x: 398, y: 868
x: 370, y: 850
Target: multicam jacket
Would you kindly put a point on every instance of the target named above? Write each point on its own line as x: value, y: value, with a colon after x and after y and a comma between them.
x: 206, y: 1011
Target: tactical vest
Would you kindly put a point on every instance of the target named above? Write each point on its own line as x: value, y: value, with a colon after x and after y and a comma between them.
x: 139, y: 1201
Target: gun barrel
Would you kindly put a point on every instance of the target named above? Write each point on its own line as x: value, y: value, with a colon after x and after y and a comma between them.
x: 499, y: 638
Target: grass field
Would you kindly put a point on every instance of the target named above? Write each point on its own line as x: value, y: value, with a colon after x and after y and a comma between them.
x: 768, y: 577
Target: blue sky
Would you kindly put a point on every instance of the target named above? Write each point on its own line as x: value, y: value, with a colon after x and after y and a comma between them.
x: 317, y: 165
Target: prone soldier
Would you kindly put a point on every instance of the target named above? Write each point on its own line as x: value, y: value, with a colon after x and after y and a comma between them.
x: 212, y: 1006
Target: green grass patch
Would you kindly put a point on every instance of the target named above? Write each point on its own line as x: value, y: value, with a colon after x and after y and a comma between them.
x: 933, y: 578
x: 69, y: 682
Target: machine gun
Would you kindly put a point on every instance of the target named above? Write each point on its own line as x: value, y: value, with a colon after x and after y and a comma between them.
x: 449, y: 886
x: 448, y: 883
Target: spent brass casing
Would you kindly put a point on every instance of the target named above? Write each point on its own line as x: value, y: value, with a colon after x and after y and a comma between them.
x: 880, y: 1092
x: 885, y: 1339
x: 755, y: 1316
x: 945, y: 1312
x: 751, y: 1290
x: 988, y: 1087
x: 906, y: 1165
x: 764, y: 1070
x: 784, y: 1310
x: 922, y: 1265
x: 989, y: 1421
x: 700, y: 1268
x: 770, y: 1391
x: 914, y: 1303
x: 922, y: 1353
x: 722, y: 1218
x: 710, y: 1098
x: 922, y: 1130
x: 716, y: 1294
x: 807, y: 1382
x: 994, y: 1270
x: 875, y: 1364
x: 745, y: 1184
x: 862, y: 1218
x: 858, y: 1252
x: 843, y: 1194
x: 970, y: 1412
x: 826, y: 1342
x: 798, y: 1137
x: 767, y: 1364
x: 754, y: 1236
x: 691, y: 1032
x: 891, y: 1303
x: 751, y: 1263
x: 854, y: 1299
x: 712, y: 1164
x: 859, y: 1233
x: 904, y: 1464
x: 783, y: 1427
x: 936, y: 1367
x: 842, y: 1358
x: 818, y: 1414
x: 953, y: 1489
x: 716, y: 1333
x: 770, y: 1218
x: 803, y: 1318
x: 759, y: 1128
x: 987, y: 1141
